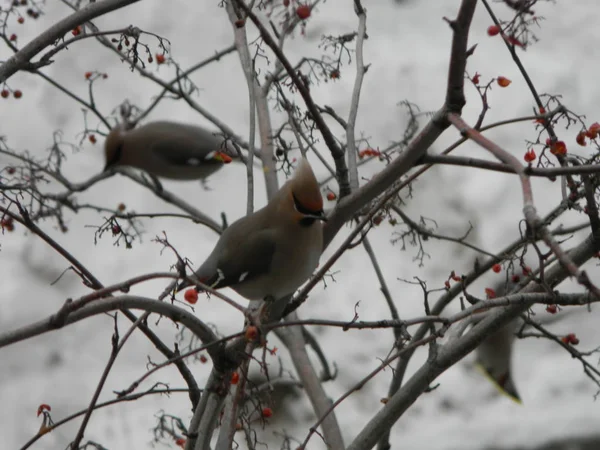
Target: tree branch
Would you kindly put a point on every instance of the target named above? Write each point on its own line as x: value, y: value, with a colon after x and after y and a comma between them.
x: 21, y: 59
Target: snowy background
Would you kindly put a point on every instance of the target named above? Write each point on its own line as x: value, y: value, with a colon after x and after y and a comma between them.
x: 408, y: 49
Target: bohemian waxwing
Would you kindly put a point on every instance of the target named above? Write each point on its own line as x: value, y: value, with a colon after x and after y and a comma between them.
x: 270, y: 253
x: 493, y: 357
x: 168, y: 149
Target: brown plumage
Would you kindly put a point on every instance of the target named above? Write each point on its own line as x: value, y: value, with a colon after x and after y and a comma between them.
x: 271, y: 252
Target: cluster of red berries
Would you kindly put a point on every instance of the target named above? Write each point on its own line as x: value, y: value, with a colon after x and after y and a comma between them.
x: 5, y: 93
x: 590, y: 133
x: 452, y: 277
x: 7, y: 223
x: 570, y: 338
x: 30, y: 11
x: 368, y: 152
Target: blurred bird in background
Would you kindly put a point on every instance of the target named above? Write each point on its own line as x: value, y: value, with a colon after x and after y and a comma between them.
x: 168, y: 150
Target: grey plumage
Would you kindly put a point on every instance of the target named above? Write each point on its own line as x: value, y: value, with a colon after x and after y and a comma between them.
x: 270, y: 253
x: 168, y: 150
x: 493, y: 356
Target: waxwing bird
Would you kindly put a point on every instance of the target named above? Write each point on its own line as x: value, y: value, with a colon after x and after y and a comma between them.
x: 493, y: 357
x: 168, y: 150
x: 270, y: 253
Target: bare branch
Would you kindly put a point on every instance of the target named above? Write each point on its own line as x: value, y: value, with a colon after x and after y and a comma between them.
x: 21, y: 59
x: 351, y: 149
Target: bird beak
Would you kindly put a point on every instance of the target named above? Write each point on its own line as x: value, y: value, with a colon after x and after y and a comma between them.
x: 224, y: 158
x: 318, y: 216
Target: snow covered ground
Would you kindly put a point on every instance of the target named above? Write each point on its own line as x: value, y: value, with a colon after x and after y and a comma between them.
x: 408, y: 49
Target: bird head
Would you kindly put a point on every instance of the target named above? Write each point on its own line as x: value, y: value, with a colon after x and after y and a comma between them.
x: 305, y: 195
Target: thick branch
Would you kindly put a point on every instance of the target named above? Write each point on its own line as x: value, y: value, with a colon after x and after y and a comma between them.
x: 453, y: 352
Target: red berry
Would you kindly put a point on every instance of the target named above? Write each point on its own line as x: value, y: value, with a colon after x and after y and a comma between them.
x: 203, y: 359
x: 180, y: 442
x: 493, y: 30
x: 17, y: 94
x: 251, y: 333
x: 13, y: 37
x: 516, y: 278
x: 121, y: 207
x: 558, y: 148
x: 191, y: 296
x: 4, y: 93
x: 490, y: 293
x: 503, y: 81
x: 303, y: 12
x: 43, y: 407
x: 580, y: 139
x: 286, y: 3
x: 335, y: 74
x: 497, y: 268
x: 11, y: 170
x: 593, y: 130
x: 267, y: 412
x: 160, y: 58
x: 529, y: 156
x: 240, y: 23
x: 377, y: 219
x: 552, y: 309
x: 21, y: 20
x: 88, y: 75
x: 92, y: 138
x: 447, y: 284
x: 475, y: 78
x: 331, y: 196
x: 526, y: 270
x: 76, y: 31
x: 235, y: 378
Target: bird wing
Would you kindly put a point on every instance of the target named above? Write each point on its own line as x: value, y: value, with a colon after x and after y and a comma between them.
x: 182, y: 151
x: 249, y: 259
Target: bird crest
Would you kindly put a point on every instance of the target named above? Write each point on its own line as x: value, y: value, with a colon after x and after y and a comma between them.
x: 305, y: 189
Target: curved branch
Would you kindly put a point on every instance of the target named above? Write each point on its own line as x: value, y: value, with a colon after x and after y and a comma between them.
x: 59, y: 320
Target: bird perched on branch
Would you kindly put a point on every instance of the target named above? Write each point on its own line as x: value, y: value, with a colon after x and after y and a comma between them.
x: 270, y: 253
x: 168, y: 150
